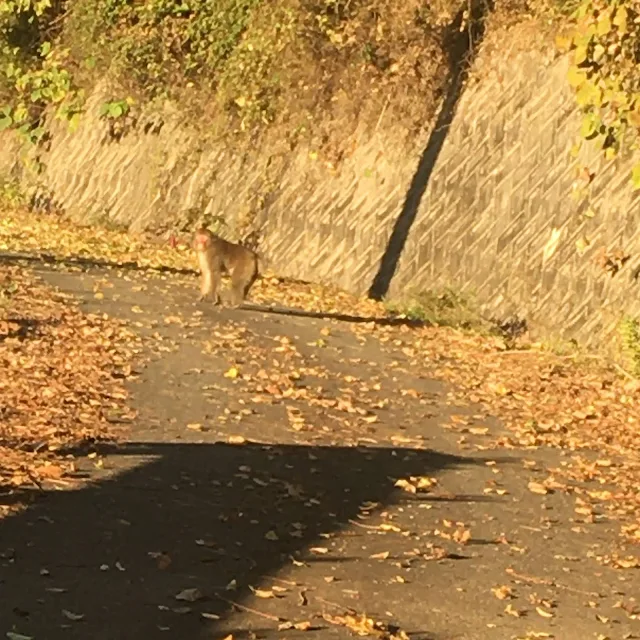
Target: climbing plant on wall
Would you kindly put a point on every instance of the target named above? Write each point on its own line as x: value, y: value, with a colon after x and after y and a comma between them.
x: 34, y: 72
x: 604, y: 41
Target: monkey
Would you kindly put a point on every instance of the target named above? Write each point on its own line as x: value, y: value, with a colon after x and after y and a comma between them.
x: 215, y: 256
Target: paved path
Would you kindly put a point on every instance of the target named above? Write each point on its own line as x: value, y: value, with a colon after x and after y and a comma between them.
x: 301, y: 523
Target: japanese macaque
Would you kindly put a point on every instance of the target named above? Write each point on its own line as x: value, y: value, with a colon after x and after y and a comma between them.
x: 216, y: 256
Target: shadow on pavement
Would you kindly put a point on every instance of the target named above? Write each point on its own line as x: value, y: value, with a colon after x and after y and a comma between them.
x: 220, y: 512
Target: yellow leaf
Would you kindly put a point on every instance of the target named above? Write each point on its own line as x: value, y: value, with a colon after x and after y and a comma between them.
x: 189, y: 595
x: 407, y: 486
x: 536, y: 487
x: 620, y: 20
x: 479, y: 431
x: 629, y: 562
x: 231, y: 373
x: 305, y: 625
x: 502, y: 593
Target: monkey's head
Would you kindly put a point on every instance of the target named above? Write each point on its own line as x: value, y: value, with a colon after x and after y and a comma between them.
x: 202, y: 239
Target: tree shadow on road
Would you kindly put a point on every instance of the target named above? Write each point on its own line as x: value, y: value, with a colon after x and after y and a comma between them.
x: 223, y: 514
x: 461, y: 43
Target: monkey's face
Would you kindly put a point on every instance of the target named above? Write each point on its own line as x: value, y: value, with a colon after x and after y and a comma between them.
x: 201, y: 241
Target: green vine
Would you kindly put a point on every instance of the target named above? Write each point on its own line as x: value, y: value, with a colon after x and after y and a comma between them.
x: 34, y: 74
x: 604, y: 40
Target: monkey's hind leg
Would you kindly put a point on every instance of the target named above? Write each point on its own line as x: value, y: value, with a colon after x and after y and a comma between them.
x: 241, y: 282
x: 210, y: 287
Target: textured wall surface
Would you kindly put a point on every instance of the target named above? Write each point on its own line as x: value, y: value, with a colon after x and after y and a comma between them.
x: 498, y: 192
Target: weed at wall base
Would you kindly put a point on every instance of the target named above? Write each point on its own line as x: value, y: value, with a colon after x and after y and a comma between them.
x: 445, y: 307
x: 629, y: 331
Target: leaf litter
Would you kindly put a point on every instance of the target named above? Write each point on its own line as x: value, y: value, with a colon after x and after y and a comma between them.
x: 61, y: 374
x: 584, y: 408
x: 542, y: 399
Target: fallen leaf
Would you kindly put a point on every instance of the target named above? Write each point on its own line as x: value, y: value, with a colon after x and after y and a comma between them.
x: 189, y: 595
x: 76, y: 617
x: 503, y: 592
x: 536, y: 487
x: 263, y: 593
x: 209, y: 616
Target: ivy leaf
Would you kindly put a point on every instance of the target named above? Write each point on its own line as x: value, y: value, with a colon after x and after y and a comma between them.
x: 74, y: 122
x: 580, y: 54
x: 590, y: 125
x: 604, y: 25
x: 576, y: 76
x: 5, y: 120
x: 589, y: 94
x: 620, y: 20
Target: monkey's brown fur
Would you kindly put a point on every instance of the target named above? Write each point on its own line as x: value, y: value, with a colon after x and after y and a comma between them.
x: 216, y: 256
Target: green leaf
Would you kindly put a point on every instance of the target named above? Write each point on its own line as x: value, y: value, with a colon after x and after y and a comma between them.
x: 6, y: 121
x: 116, y: 110
x: 590, y: 126
x: 37, y: 133
x: 74, y: 122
